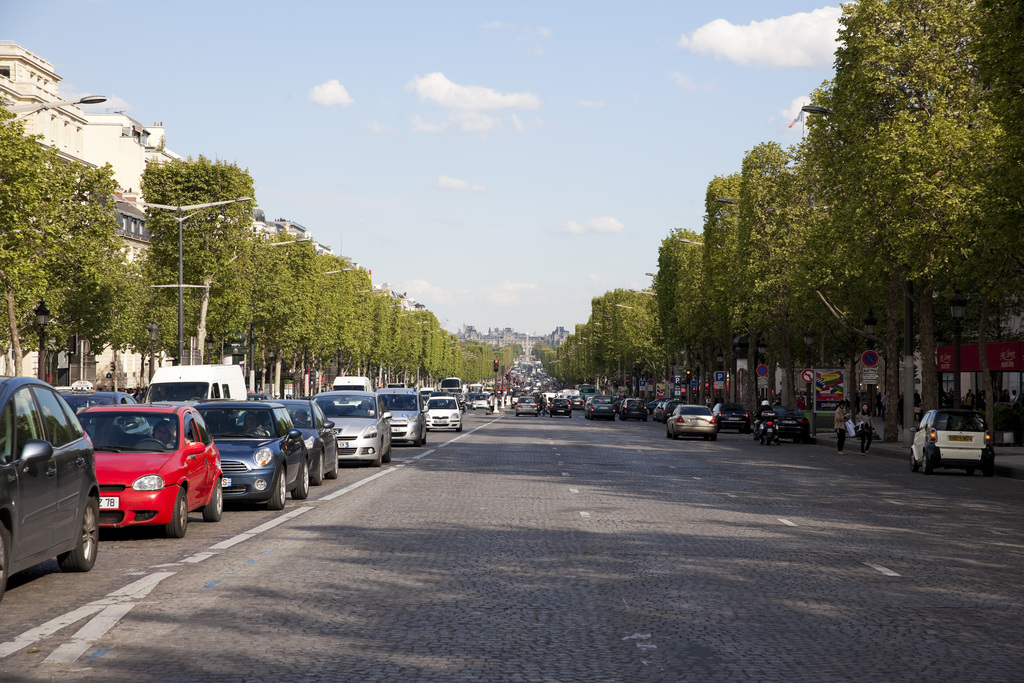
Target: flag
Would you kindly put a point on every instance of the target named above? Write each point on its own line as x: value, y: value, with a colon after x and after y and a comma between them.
x: 798, y: 119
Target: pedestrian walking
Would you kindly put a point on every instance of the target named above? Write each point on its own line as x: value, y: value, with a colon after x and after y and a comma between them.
x: 839, y: 424
x: 865, y: 428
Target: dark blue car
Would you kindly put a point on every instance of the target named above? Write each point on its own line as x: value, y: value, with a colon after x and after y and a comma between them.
x: 318, y: 433
x: 262, y: 455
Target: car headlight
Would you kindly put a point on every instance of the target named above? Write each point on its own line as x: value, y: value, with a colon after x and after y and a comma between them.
x: 263, y: 457
x: 455, y: 416
x: 150, y: 482
x: 308, y: 442
x: 370, y: 432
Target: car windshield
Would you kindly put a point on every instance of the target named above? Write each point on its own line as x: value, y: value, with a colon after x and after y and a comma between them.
x: 240, y: 423
x: 117, y: 432
x: 347, y: 405
x: 959, y: 422
x: 178, y: 391
x: 400, y: 401
x: 300, y: 416
x: 442, y: 404
x: 80, y: 402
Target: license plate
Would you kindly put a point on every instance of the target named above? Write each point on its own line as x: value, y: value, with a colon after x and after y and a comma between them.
x: 109, y: 502
x: 958, y: 437
x: 225, y: 482
x: 343, y: 444
x: 397, y: 431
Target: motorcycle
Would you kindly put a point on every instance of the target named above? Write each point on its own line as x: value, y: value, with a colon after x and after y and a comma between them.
x: 767, y: 430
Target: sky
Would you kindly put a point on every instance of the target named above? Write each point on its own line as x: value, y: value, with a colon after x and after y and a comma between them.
x: 500, y: 162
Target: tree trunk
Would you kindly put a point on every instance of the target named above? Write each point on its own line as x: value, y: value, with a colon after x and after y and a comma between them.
x: 204, y: 306
x: 929, y: 370
x: 894, y: 291
x: 12, y: 322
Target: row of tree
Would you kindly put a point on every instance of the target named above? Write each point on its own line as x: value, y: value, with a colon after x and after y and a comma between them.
x: 907, y: 191
x: 59, y: 242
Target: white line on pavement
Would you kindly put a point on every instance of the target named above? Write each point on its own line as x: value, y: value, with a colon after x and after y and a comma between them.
x: 883, y: 570
x: 245, y: 536
x: 584, y: 514
x: 786, y: 522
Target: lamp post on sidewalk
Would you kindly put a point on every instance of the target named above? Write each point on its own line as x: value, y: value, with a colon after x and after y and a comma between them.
x: 42, y: 318
x: 956, y: 310
x: 154, y: 337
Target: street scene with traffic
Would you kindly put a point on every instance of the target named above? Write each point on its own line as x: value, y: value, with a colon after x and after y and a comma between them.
x: 486, y: 449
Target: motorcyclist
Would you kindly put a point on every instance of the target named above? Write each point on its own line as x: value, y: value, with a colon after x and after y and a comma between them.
x: 761, y: 410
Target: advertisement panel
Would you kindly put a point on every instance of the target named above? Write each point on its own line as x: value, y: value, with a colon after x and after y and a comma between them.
x: 828, y: 388
x: 662, y: 390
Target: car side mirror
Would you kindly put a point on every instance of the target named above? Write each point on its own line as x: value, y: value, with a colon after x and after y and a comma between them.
x: 294, y: 433
x: 913, y: 429
x: 329, y: 424
x: 194, y: 448
x: 36, y: 450
x: 386, y: 416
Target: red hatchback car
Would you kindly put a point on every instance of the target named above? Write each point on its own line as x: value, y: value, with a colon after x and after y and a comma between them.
x: 155, y: 464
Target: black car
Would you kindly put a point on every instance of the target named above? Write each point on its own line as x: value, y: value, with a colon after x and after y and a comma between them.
x: 577, y: 402
x: 560, y: 406
x: 793, y: 424
x: 262, y: 455
x: 80, y: 400
x: 632, y: 408
x: 664, y: 409
x: 732, y: 416
x: 49, y: 496
x: 318, y: 434
x: 600, y: 407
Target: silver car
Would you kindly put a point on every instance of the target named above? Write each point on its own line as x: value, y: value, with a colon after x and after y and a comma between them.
x: 362, y: 425
x: 408, y: 423
x: 687, y: 420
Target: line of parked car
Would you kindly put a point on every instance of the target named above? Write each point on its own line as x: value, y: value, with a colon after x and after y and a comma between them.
x: 73, y: 462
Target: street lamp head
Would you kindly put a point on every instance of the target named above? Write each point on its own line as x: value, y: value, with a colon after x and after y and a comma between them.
x: 154, y: 332
x: 726, y: 200
x: 42, y: 314
x: 870, y: 322
x: 957, y: 306
x: 816, y: 109
x: 92, y: 99
x: 808, y: 337
x: 762, y: 347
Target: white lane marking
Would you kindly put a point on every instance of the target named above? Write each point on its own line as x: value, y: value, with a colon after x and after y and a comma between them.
x: 361, y: 482
x: 69, y: 652
x: 565, y: 474
x: 574, y: 490
x: 584, y: 514
x: 120, y: 598
x: 246, y: 535
x: 732, y: 495
x: 423, y: 454
x: 638, y: 636
x: 199, y: 557
x: 463, y: 436
x: 880, y: 568
x: 786, y: 522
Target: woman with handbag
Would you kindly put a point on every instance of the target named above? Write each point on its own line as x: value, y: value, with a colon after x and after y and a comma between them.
x: 839, y: 424
x: 865, y: 428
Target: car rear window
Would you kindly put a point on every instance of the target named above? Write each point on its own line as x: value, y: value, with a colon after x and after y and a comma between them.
x: 959, y: 422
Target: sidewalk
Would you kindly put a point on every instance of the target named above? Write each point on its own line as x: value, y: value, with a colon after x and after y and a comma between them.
x: 1009, y: 459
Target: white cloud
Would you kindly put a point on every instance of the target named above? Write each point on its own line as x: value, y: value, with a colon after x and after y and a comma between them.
x: 590, y: 104
x: 330, y: 93
x: 793, y: 111
x: 511, y: 293
x: 605, y: 225
x: 437, y: 88
x: 377, y: 127
x: 446, y: 183
x: 804, y: 39
x: 686, y: 83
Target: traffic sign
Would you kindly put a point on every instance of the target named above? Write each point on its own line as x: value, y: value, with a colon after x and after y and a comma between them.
x: 719, y: 375
x: 762, y: 370
x: 869, y: 358
x: 870, y: 375
x: 693, y: 384
x: 807, y: 375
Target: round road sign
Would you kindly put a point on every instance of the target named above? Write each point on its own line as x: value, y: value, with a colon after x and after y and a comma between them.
x: 762, y: 370
x: 869, y: 358
x: 807, y: 375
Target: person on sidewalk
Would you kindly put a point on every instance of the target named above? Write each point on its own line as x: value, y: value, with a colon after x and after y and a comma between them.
x: 865, y: 428
x: 839, y: 424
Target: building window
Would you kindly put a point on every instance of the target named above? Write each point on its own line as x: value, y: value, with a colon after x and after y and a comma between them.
x: 5, y: 71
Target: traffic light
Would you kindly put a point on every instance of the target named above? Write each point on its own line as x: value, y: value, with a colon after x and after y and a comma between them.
x: 495, y: 364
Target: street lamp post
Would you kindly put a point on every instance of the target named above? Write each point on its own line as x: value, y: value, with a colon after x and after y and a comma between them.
x: 42, y: 318
x: 809, y: 341
x: 154, y: 336
x: 956, y: 310
x: 870, y: 323
x: 762, y: 352
x: 181, y: 218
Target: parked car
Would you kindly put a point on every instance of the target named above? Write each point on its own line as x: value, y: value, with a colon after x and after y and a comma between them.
x: 600, y: 407
x: 664, y: 409
x: 687, y: 420
x: 408, y: 421
x: 652, y: 404
x: 560, y: 406
x: 262, y: 455
x: 154, y: 464
x: 732, y: 416
x: 362, y: 425
x: 49, y: 495
x: 956, y: 439
x: 443, y: 412
x: 80, y: 400
x: 793, y: 424
x: 632, y: 408
x: 318, y: 435
x: 527, y: 405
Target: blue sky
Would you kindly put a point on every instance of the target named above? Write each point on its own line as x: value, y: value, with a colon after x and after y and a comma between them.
x: 501, y: 162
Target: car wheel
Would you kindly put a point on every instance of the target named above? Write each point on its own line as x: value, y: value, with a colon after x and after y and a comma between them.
x: 301, y: 490
x: 178, y: 525
x: 668, y: 434
x: 970, y: 471
x: 914, y: 464
x: 714, y: 437
x: 317, y: 477
x: 928, y: 467
x: 5, y: 557
x: 645, y: 419
x: 332, y: 473
x: 386, y: 457
x: 459, y: 428
x: 989, y: 470
x: 675, y: 436
x: 280, y: 487
x: 83, y: 556
x: 377, y: 462
x: 214, y: 510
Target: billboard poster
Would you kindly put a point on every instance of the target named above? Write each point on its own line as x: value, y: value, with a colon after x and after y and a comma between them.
x: 828, y: 389
x: 662, y: 390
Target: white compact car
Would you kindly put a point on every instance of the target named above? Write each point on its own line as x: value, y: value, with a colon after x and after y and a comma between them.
x: 443, y: 413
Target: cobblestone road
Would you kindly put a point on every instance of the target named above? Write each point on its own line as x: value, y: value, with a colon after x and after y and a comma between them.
x: 537, y: 549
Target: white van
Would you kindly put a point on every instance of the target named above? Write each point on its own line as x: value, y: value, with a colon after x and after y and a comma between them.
x: 196, y: 382
x: 349, y: 383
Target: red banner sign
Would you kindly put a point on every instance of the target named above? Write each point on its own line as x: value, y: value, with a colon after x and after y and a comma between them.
x: 1001, y: 357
